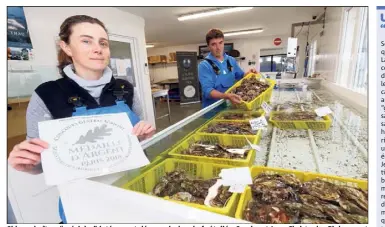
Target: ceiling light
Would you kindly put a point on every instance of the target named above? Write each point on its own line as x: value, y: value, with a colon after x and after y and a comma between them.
x: 149, y: 46
x: 243, y: 32
x: 212, y: 13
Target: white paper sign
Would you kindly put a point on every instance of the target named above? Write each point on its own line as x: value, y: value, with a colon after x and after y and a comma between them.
x: 121, y: 67
x: 266, y: 107
x: 258, y: 123
x: 304, y: 88
x: 237, y: 188
x: 236, y: 176
x: 323, y: 111
x: 127, y: 63
x: 89, y: 146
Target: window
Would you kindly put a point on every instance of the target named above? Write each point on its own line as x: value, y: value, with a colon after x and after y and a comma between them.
x: 359, y: 82
x: 272, y: 63
x: 352, y: 66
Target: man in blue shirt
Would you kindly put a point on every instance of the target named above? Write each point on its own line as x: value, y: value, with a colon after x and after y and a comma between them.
x: 218, y: 71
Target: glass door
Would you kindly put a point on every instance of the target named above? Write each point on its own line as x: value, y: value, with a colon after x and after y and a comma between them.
x: 124, y: 63
x: 121, y: 61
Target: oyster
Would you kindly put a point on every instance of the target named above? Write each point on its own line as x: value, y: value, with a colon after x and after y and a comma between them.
x: 305, y: 210
x: 273, y: 195
x: 351, y: 207
x: 159, y: 189
x: 215, y: 151
x: 265, y: 177
x: 269, y: 214
x: 285, y: 179
x: 169, y: 184
x: 338, y: 214
x: 359, y: 219
x: 322, y: 189
x: 307, y: 220
x: 250, y: 88
x: 312, y: 201
x: 240, y: 116
x: 187, y: 197
x: 197, y: 188
x: 179, y: 186
x: 223, y: 196
x: 274, y: 188
x: 291, y: 180
x: 355, y: 195
x: 230, y: 128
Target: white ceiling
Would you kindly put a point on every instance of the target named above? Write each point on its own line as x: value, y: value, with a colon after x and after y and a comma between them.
x: 163, y: 28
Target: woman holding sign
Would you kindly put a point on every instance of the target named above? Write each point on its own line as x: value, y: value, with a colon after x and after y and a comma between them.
x: 87, y: 88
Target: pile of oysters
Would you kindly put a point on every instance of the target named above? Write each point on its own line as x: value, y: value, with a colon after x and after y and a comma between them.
x: 239, y: 116
x: 283, y: 199
x: 296, y: 116
x: 250, y: 88
x: 238, y: 128
x: 178, y: 185
x: 215, y: 151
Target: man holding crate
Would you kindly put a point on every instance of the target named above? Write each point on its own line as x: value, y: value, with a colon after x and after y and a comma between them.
x: 218, y: 71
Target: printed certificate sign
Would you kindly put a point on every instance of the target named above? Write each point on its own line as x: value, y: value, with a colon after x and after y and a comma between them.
x: 89, y: 146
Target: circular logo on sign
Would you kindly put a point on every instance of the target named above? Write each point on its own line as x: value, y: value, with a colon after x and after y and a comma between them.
x: 277, y: 41
x: 186, y: 63
x: 189, y: 91
x: 92, y: 145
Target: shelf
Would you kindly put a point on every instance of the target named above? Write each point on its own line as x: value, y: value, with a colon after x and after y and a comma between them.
x: 163, y: 63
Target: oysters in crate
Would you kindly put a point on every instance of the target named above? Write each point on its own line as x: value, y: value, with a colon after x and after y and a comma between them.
x: 239, y: 115
x: 178, y: 185
x: 250, y: 88
x: 296, y: 116
x: 280, y: 199
x: 229, y: 128
x: 216, y: 151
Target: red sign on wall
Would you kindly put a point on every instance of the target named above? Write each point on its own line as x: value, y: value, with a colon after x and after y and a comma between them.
x: 277, y: 41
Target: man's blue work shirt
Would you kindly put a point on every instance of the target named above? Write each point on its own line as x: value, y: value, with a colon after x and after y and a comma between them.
x: 210, y: 80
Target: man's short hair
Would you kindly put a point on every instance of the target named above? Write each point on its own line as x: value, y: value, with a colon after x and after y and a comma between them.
x: 214, y: 34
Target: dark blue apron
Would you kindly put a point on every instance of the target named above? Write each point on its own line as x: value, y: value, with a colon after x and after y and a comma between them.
x: 120, y: 107
x: 222, y: 83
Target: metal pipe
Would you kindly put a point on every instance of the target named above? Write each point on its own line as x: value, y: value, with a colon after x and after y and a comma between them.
x: 318, y: 21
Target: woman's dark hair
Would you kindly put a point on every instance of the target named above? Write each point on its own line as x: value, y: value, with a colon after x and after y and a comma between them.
x: 214, y: 34
x: 65, y: 33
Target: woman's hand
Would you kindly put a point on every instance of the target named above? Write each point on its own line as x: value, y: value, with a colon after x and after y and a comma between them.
x: 143, y: 130
x: 27, y: 154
